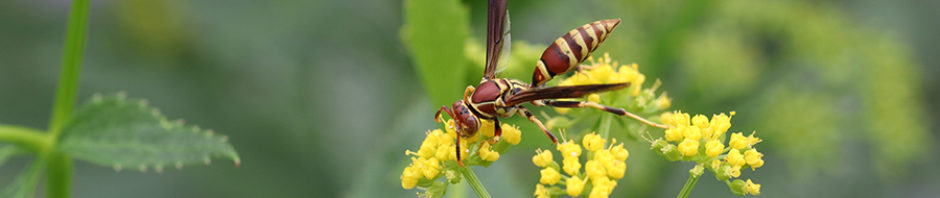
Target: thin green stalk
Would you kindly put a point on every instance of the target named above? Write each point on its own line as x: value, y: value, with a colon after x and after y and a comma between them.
x: 59, y: 165
x: 27, y: 137
x: 474, y: 182
x: 689, y: 184
x: 71, y: 65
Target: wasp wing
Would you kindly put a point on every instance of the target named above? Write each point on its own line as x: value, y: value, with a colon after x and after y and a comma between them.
x: 497, y: 36
x: 561, y: 92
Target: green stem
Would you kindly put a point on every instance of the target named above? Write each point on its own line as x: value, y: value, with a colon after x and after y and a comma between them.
x: 604, y: 128
x: 26, y: 137
x: 71, y: 64
x: 689, y: 184
x: 474, y: 182
x: 59, y: 165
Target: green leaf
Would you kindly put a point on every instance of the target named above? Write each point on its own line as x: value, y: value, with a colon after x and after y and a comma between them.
x: 25, y: 184
x: 6, y: 152
x: 435, y: 32
x: 120, y: 132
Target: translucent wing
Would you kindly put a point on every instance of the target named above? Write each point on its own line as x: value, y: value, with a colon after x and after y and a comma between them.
x: 576, y: 91
x: 497, y: 26
x: 505, y: 50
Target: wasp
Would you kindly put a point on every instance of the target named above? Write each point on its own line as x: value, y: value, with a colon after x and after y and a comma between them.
x: 502, y: 97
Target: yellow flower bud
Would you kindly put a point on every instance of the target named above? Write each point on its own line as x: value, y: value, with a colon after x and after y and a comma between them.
x: 735, y: 171
x: 595, y: 169
x: 700, y: 121
x: 593, y: 142
x: 603, y: 156
x: 574, y: 186
x: 550, y: 176
x: 751, y: 140
x: 689, y: 147
x: 599, y: 192
x: 738, y: 141
x: 569, y: 149
x: 487, y: 153
x: 511, y: 134
x: 616, y: 169
x: 667, y: 118
x: 409, y: 177
x: 674, y: 134
x: 620, y: 153
x: 594, y: 98
x: 714, y: 148
x: 663, y: 101
x: 735, y: 158
x: 571, y: 165
x: 431, y: 168
x: 426, y: 151
x: 487, y: 128
x: 543, y: 158
x: 716, y: 164
x: 681, y: 119
x: 444, y: 152
x: 542, y: 192
x: 693, y: 133
x: 752, y: 188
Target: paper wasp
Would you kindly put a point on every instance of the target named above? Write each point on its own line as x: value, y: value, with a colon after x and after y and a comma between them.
x: 501, y: 97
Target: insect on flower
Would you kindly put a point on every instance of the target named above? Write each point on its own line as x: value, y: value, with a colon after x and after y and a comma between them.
x: 501, y: 97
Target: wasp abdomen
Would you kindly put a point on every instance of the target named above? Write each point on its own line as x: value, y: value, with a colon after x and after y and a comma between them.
x: 571, y: 49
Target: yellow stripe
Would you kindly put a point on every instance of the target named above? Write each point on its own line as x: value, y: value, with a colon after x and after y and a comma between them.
x: 590, y: 33
x: 576, y: 35
x: 603, y: 34
x: 541, y: 66
x: 563, y: 46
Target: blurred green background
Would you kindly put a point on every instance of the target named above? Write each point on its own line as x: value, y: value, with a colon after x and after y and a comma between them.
x: 321, y: 98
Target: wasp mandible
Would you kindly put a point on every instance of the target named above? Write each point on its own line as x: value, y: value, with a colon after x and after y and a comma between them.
x: 502, y: 97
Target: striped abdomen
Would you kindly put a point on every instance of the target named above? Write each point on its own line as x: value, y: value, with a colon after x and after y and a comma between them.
x: 571, y: 49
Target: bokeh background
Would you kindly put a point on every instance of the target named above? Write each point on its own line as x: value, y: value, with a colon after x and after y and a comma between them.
x: 321, y: 98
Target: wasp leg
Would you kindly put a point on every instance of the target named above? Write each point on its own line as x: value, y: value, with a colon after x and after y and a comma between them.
x: 497, y: 130
x: 437, y: 116
x: 460, y: 162
x: 582, y: 104
x: 525, y: 112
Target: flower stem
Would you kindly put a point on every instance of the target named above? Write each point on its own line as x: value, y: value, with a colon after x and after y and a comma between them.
x: 26, y: 137
x: 474, y: 182
x: 58, y: 180
x: 689, y: 184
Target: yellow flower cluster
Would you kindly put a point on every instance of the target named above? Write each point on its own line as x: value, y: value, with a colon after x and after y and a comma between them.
x: 700, y: 140
x: 605, y: 71
x: 438, y: 151
x: 603, y: 168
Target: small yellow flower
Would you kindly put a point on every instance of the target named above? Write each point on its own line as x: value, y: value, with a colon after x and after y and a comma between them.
x: 753, y: 158
x: 714, y: 148
x: 700, y: 121
x: 738, y: 141
x: 735, y: 158
x: 593, y: 142
x: 693, y: 133
x: 619, y: 153
x: 735, y: 171
x: 603, y: 156
x: 571, y: 165
x: 674, y: 134
x: 751, y: 140
x: 444, y: 152
x: 550, y: 176
x: 542, y: 192
x: 431, y: 167
x: 543, y: 158
x: 594, y: 98
x: 595, y: 169
x: 716, y: 164
x: 599, y: 191
x: 689, y: 147
x: 511, y: 134
x: 569, y: 149
x: 663, y: 101
x: 574, y: 186
x: 487, y: 153
x: 409, y: 177
x: 752, y: 188
x: 616, y: 169
x: 487, y: 128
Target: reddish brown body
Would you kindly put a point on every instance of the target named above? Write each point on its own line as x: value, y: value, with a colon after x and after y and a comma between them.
x: 571, y: 49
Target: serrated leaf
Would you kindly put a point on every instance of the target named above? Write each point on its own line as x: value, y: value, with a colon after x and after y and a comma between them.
x: 125, y: 133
